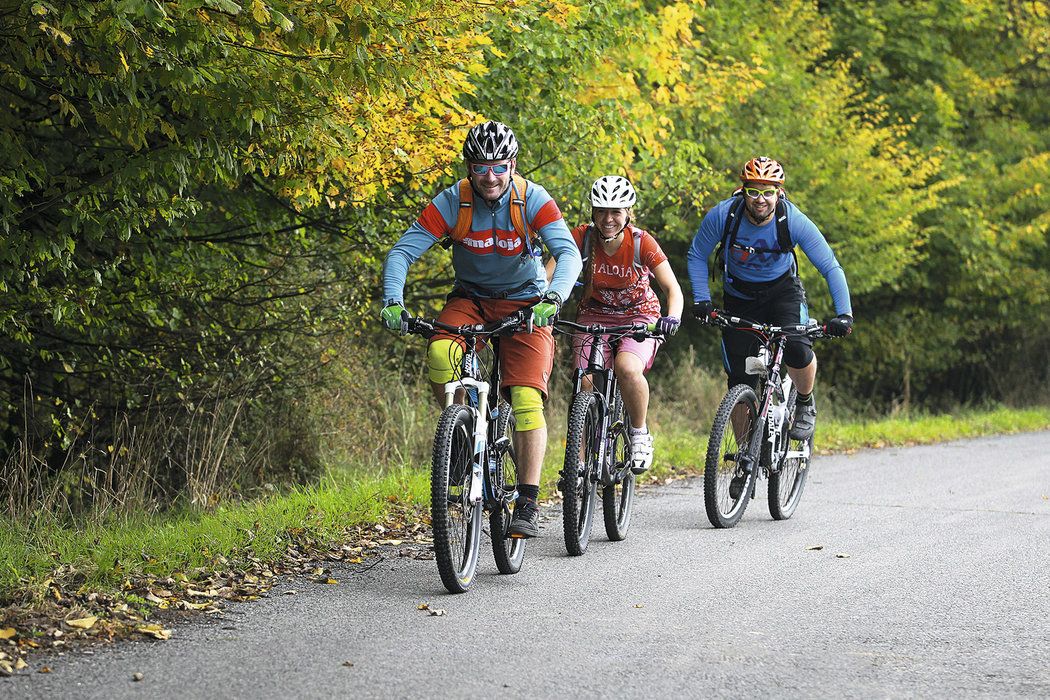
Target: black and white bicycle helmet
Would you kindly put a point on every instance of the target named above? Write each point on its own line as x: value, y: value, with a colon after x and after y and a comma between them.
x: 490, y: 141
x: 613, y: 192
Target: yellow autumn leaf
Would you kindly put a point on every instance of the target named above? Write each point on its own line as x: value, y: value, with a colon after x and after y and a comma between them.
x: 154, y: 631
x: 7, y: 633
x: 83, y: 623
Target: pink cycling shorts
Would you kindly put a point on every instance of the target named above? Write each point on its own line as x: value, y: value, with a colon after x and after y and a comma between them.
x: 644, y: 350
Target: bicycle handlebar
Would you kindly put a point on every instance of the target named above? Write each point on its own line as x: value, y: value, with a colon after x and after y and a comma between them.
x: 813, y: 329
x: 640, y: 331
x: 518, y: 321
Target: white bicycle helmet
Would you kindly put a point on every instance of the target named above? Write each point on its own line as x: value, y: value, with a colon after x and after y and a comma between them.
x: 490, y: 141
x: 613, y: 192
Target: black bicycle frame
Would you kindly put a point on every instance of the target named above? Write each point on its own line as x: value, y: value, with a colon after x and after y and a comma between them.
x: 604, y: 385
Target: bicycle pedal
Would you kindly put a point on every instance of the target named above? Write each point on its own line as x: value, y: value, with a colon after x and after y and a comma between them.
x: 516, y: 536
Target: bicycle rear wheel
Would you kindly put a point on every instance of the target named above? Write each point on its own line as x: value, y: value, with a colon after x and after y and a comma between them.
x: 731, y: 466
x: 618, y: 498
x: 787, y: 482
x: 456, y: 521
x: 579, y: 487
x: 508, y: 551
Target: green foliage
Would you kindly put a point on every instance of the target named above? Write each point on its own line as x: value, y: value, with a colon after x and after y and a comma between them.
x: 195, y: 197
x: 972, y: 305
x: 176, y: 182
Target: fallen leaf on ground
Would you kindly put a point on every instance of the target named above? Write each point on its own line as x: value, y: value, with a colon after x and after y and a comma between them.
x: 202, y: 594
x: 84, y: 623
x: 348, y: 663
x: 7, y: 633
x: 44, y: 669
x: 291, y: 591
x: 842, y: 555
x: 20, y: 664
x: 155, y: 631
x: 136, y: 677
x: 814, y: 548
x: 430, y: 610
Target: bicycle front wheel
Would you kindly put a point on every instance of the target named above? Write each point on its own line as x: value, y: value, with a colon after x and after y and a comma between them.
x: 731, y: 466
x: 456, y: 521
x: 787, y: 482
x: 509, y: 552
x: 618, y: 497
x: 578, y: 477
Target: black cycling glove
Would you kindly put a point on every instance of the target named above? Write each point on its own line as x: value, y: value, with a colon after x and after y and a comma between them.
x: 840, y: 326
x: 702, y: 310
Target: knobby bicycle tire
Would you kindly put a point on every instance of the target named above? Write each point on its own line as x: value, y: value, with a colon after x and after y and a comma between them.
x: 509, y: 552
x: 787, y: 482
x: 456, y: 521
x: 725, y: 457
x: 579, y: 485
x: 618, y: 498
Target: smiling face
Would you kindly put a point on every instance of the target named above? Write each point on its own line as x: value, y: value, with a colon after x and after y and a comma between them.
x: 760, y: 199
x: 488, y: 181
x: 610, y: 221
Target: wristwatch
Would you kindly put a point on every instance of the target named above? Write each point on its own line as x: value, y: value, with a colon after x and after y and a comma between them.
x: 554, y: 298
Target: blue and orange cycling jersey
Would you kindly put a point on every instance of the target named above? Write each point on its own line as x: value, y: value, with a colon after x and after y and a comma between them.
x: 489, y: 261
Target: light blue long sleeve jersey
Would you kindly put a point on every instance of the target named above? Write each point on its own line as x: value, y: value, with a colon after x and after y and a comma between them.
x: 489, y: 262
x: 763, y: 267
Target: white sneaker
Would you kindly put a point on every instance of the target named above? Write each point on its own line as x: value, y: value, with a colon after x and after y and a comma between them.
x: 641, y: 452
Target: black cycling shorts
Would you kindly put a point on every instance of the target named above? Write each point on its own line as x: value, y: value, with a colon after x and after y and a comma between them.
x: 780, y: 302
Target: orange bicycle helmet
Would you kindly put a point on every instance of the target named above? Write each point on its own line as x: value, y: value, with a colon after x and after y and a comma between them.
x: 763, y: 170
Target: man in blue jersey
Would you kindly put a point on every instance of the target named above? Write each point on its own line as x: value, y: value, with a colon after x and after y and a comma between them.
x: 759, y: 229
x: 491, y: 218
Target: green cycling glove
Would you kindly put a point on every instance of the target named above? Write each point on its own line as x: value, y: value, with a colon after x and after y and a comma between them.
x: 391, y: 316
x: 543, y: 313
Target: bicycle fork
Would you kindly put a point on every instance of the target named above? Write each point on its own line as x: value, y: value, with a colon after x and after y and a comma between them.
x: 481, y: 427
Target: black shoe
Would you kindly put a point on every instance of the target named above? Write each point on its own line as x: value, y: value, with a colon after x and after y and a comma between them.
x: 805, y: 421
x: 526, y: 520
x: 736, y: 486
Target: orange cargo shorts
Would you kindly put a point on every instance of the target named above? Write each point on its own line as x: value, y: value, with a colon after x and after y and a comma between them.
x: 526, y: 359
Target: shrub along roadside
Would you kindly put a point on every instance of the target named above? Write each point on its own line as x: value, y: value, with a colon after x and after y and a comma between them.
x: 104, y: 555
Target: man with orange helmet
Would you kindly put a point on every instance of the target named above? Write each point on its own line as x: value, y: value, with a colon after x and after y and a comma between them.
x: 759, y: 229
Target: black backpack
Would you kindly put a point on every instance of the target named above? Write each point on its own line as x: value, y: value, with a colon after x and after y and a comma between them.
x: 732, y: 227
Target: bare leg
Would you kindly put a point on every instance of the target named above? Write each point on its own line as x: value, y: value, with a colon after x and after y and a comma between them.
x: 530, y: 446
x: 633, y: 387
x: 804, y: 378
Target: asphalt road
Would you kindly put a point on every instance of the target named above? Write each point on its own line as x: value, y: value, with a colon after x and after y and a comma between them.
x: 932, y: 581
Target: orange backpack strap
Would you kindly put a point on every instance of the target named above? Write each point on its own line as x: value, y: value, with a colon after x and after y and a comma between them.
x: 518, y: 218
x: 519, y: 188
x: 466, y: 211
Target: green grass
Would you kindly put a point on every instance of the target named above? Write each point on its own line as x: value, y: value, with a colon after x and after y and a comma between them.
x: 160, y: 545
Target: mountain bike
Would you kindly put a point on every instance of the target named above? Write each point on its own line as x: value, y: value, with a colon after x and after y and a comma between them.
x: 750, y: 438
x: 597, y: 446
x: 474, y: 466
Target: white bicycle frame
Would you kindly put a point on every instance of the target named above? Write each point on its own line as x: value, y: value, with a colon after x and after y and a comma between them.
x: 481, y: 427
